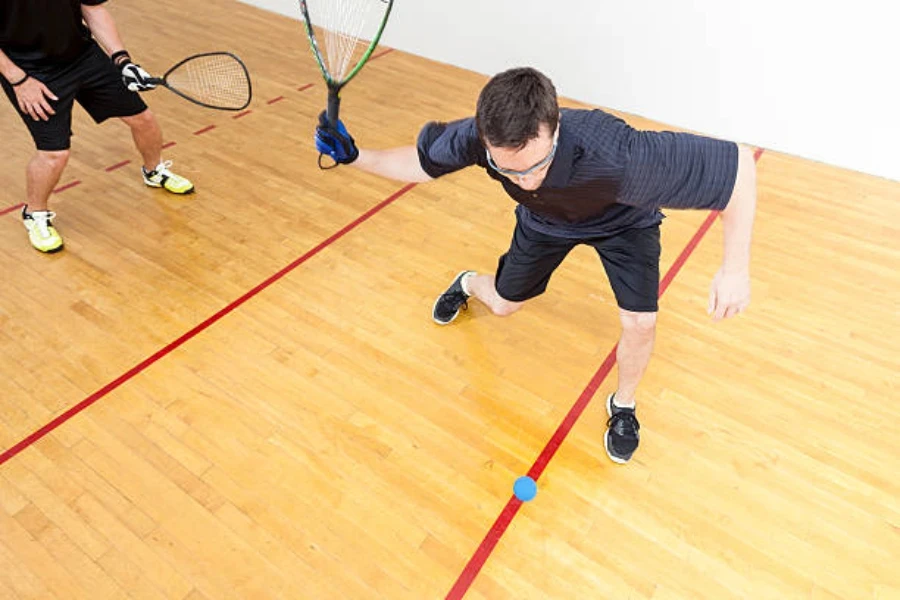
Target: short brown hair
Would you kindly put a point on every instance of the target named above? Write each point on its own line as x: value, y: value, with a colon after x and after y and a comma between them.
x: 512, y: 106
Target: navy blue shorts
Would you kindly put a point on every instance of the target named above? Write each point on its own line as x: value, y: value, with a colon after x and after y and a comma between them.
x: 630, y: 258
x: 94, y: 82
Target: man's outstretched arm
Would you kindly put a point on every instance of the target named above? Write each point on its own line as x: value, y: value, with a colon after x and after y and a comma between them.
x: 441, y: 148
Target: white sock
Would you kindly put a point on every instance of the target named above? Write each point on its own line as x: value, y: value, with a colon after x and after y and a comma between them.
x: 462, y: 283
x: 632, y: 405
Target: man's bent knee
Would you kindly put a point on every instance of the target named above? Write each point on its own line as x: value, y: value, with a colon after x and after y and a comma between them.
x: 638, y: 321
x: 504, y: 308
x: 142, y: 119
x: 53, y: 157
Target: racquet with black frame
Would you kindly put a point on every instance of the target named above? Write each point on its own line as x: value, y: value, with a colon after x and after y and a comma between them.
x: 218, y: 80
x: 348, y: 32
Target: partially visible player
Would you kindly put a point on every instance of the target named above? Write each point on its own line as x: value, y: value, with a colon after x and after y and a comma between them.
x: 49, y: 59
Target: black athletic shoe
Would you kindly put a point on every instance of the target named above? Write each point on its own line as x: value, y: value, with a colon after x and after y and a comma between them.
x: 622, y: 437
x: 448, y: 304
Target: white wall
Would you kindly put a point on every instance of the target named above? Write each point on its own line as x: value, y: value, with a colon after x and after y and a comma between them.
x: 817, y: 79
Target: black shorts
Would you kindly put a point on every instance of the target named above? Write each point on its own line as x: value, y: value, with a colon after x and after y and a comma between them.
x: 630, y: 258
x: 94, y: 82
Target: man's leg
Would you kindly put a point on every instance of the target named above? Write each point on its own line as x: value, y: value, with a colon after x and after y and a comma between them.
x: 148, y: 138
x: 41, y: 176
x: 631, y: 260
x: 633, y: 353
x: 464, y: 286
x: 523, y: 273
x: 483, y: 287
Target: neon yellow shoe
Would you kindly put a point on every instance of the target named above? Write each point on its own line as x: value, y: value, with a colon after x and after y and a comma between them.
x: 41, y: 232
x: 162, y: 177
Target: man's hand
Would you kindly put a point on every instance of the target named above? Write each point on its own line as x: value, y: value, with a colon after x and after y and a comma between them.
x: 135, y: 78
x: 33, y: 98
x: 729, y: 294
x: 336, y: 142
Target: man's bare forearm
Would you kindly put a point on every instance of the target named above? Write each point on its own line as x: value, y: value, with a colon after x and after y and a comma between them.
x: 102, y: 27
x: 401, y: 164
x: 738, y: 216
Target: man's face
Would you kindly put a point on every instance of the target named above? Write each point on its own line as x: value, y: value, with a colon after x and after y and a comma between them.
x: 527, y: 166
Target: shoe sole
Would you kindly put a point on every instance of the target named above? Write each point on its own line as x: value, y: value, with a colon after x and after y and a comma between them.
x: 53, y: 251
x: 434, y: 306
x: 159, y: 185
x: 615, y: 459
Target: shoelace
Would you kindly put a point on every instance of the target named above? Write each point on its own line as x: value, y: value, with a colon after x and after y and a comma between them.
x: 629, y: 422
x: 42, y: 220
x: 163, y: 168
x: 455, y: 298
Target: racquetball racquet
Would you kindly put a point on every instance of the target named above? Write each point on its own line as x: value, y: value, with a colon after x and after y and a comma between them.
x: 216, y: 80
x: 348, y: 32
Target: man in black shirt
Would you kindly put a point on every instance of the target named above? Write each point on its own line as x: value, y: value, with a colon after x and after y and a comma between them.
x: 580, y: 177
x: 49, y: 60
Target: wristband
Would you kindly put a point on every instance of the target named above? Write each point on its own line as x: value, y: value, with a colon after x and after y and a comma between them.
x: 117, y: 55
x: 21, y: 81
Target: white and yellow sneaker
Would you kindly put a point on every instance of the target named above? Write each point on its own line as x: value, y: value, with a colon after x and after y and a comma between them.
x: 162, y: 177
x: 41, y: 232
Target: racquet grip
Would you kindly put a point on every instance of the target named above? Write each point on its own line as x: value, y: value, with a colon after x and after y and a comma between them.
x: 334, y: 107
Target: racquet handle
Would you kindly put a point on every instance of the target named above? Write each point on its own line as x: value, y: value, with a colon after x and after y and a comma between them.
x: 334, y: 107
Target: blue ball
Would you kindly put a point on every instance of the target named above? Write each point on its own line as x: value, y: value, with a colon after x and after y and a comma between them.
x: 525, y: 488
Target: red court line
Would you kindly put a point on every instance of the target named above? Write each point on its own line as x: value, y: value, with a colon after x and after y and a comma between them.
x: 168, y: 145
x: 159, y: 354
x: 688, y: 250
x: 68, y: 186
x: 304, y: 87
x: 242, y: 114
x: 117, y: 166
x: 487, y: 545
x: 382, y: 53
x: 274, y: 100
x: 10, y: 209
x: 204, y: 130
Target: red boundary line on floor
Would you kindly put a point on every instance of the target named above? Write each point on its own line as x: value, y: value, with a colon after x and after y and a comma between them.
x: 382, y: 53
x: 10, y: 209
x: 118, y: 165
x: 492, y: 538
x: 68, y: 186
x: 159, y: 354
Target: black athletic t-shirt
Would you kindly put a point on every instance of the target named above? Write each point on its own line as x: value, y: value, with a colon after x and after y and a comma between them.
x: 606, y: 176
x: 42, y: 35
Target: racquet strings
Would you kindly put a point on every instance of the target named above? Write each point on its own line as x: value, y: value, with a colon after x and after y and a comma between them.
x: 345, y: 30
x: 217, y: 80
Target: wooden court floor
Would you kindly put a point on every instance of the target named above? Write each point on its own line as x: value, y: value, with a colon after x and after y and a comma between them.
x: 241, y: 394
